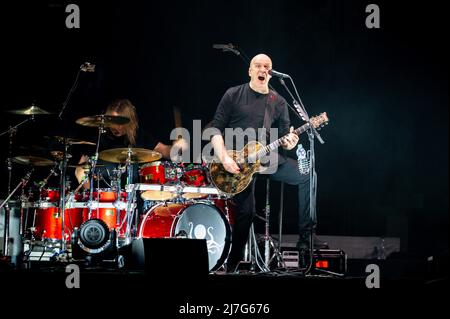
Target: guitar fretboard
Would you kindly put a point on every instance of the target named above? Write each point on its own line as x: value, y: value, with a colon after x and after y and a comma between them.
x: 275, y: 144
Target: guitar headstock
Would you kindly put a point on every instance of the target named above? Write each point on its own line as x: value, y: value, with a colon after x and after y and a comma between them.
x: 320, y: 120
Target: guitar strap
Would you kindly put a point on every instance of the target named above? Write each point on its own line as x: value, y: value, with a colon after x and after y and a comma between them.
x: 268, y: 116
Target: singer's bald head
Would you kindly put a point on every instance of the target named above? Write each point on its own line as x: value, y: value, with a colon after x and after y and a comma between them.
x: 261, y: 58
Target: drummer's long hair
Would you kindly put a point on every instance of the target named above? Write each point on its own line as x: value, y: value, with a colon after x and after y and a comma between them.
x: 125, y: 108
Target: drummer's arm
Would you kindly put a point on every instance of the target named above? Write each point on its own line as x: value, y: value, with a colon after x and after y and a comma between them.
x: 163, y: 149
x: 181, y: 145
x: 80, y: 173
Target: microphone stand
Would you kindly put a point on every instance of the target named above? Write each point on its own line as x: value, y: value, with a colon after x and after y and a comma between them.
x: 312, y: 132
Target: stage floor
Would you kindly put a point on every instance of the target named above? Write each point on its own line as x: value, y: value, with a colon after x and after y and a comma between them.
x: 276, y: 294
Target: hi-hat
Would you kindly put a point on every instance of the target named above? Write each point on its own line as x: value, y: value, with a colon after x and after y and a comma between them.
x: 32, y: 160
x: 32, y: 110
x: 70, y: 140
x: 137, y: 155
x: 102, y: 120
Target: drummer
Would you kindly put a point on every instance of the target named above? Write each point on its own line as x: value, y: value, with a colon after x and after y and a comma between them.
x: 127, y: 135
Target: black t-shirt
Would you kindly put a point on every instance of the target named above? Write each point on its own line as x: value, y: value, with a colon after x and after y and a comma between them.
x: 242, y: 107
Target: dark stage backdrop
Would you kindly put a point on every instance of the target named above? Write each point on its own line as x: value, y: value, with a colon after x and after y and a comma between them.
x: 383, y: 170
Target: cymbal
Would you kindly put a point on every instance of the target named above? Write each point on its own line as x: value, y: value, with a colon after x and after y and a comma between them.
x: 70, y: 140
x: 138, y: 155
x: 32, y: 110
x: 85, y: 166
x: 103, y: 119
x: 32, y: 160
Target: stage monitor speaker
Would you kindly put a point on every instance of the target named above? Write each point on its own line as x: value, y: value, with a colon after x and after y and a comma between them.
x: 170, y: 256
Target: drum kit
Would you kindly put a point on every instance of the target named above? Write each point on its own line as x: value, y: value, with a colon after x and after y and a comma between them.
x: 173, y: 200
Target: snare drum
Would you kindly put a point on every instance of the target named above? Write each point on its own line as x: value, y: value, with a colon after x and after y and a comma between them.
x: 158, y: 173
x: 192, y: 220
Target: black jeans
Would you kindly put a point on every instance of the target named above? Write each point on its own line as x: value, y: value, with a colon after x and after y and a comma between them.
x: 288, y: 173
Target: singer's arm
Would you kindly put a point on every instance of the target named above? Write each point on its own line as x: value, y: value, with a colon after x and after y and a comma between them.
x: 221, y: 152
x: 220, y: 120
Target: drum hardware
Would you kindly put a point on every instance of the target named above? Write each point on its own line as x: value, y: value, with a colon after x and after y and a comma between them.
x: 99, y: 121
x: 31, y: 112
x: 22, y: 184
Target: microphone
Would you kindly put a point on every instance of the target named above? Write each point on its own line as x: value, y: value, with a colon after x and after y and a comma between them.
x: 87, y: 67
x: 227, y: 47
x: 303, y: 160
x: 279, y: 74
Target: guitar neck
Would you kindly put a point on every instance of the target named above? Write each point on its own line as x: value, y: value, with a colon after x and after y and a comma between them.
x: 275, y: 144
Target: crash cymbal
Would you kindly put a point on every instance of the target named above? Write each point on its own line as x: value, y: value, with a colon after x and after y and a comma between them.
x: 32, y: 160
x: 138, y: 155
x: 69, y: 140
x: 32, y: 110
x: 105, y: 120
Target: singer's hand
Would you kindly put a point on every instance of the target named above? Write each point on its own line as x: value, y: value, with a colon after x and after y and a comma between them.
x: 230, y: 165
x: 289, y: 141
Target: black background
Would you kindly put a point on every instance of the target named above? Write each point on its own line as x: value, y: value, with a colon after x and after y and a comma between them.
x: 383, y: 170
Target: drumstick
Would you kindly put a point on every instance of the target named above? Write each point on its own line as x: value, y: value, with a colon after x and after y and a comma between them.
x: 177, y: 119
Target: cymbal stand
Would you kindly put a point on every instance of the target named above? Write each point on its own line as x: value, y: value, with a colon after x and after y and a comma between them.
x: 12, y: 131
x: 45, y: 180
x: 130, y: 200
x: 93, y: 161
x: 62, y: 193
x: 116, y: 186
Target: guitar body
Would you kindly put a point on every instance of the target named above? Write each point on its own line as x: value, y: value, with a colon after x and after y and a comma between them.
x: 232, y: 184
x: 248, y: 160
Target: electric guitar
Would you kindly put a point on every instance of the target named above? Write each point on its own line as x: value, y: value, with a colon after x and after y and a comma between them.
x: 249, y: 160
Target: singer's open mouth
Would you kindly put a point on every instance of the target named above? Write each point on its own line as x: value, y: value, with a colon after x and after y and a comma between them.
x: 261, y: 77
